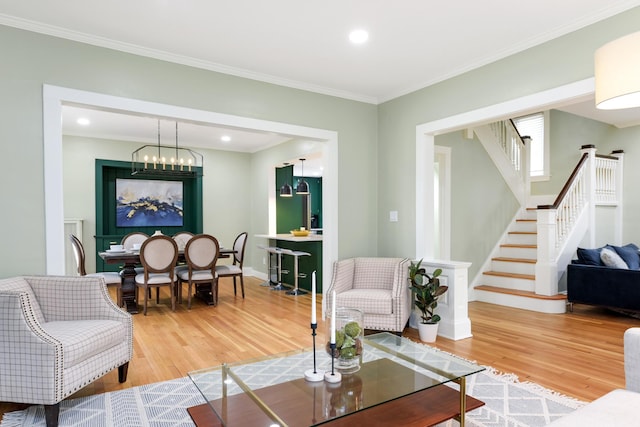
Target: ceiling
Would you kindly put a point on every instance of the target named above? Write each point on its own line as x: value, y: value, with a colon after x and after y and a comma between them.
x: 303, y: 44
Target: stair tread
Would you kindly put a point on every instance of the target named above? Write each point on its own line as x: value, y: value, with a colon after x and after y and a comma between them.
x: 523, y: 232
x: 507, y: 259
x: 512, y: 275
x: 518, y: 245
x: 526, y: 220
x: 527, y: 294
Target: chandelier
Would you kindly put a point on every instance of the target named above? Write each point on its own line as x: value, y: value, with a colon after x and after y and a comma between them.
x: 166, y: 160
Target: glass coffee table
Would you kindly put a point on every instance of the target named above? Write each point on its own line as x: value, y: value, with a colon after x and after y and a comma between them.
x: 399, y: 382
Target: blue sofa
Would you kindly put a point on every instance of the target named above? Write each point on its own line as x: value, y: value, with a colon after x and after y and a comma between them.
x: 591, y: 281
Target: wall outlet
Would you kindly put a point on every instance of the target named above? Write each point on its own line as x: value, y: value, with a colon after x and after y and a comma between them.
x: 264, y: 261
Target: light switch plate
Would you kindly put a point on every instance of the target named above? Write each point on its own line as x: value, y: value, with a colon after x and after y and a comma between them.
x: 393, y: 216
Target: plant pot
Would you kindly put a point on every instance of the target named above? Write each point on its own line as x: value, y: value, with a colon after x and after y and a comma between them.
x: 428, y: 331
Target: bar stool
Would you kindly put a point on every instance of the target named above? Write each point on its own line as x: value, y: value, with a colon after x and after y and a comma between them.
x: 271, y: 250
x: 296, y: 254
x: 279, y: 286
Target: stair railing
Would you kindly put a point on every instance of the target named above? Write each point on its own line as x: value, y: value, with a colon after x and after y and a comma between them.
x: 596, y: 179
x: 516, y: 151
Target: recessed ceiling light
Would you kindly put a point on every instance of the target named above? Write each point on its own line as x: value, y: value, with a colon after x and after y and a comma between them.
x: 358, y: 36
x: 225, y: 138
x: 83, y: 121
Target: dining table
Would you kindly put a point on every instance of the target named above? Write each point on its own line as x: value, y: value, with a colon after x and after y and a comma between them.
x: 130, y: 260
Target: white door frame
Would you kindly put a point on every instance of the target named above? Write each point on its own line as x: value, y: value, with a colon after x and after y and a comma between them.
x: 53, y: 99
x: 425, y: 136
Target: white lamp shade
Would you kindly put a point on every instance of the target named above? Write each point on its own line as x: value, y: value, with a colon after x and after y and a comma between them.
x: 617, y: 73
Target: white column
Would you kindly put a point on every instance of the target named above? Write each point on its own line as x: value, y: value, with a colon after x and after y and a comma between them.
x: 453, y: 305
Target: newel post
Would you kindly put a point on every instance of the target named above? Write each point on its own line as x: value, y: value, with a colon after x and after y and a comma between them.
x: 590, y: 181
x: 547, y: 266
x: 526, y: 168
x: 619, y: 202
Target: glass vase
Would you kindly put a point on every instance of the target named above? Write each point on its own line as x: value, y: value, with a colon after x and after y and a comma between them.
x: 349, y: 339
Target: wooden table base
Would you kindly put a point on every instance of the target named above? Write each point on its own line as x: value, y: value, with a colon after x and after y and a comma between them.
x: 424, y: 408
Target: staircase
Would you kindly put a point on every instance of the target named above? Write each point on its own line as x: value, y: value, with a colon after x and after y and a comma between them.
x: 523, y: 271
x: 511, y: 280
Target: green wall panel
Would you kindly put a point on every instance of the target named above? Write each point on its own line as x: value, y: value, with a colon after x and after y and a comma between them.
x: 107, y: 171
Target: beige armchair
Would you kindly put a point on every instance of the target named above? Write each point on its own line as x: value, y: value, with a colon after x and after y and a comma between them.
x: 57, y: 335
x: 377, y: 286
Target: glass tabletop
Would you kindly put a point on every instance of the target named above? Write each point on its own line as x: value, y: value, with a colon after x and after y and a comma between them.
x: 272, y: 391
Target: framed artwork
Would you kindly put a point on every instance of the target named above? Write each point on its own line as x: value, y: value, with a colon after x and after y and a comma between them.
x: 148, y: 203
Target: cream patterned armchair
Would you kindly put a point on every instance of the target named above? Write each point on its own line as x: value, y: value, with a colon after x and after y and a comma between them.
x: 377, y: 286
x: 57, y: 335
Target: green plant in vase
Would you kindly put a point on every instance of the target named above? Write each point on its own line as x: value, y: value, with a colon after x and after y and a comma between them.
x: 348, y: 341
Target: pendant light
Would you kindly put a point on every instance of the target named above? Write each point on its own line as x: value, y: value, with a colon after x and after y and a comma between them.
x: 617, y: 73
x: 303, y: 186
x: 286, y: 190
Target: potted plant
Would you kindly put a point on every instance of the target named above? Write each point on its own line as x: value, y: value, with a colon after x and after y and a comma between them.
x: 427, y: 290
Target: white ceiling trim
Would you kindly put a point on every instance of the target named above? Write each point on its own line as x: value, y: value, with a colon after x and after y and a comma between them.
x: 604, y: 13
x: 52, y: 30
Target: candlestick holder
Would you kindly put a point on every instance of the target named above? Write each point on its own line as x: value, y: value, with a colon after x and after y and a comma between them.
x: 333, y: 376
x: 314, y: 375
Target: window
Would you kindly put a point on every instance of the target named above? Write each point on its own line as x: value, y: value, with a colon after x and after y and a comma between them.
x: 536, y: 126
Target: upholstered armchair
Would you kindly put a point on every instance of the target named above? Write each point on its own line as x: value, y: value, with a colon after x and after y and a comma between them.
x: 377, y: 286
x: 57, y: 335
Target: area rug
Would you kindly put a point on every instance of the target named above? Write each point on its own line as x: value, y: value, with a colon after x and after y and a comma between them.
x: 508, y: 402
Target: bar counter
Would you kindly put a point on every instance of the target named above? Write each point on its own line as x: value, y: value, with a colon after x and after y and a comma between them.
x: 307, y: 264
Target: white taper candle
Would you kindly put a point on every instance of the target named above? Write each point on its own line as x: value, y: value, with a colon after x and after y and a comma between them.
x: 333, y: 318
x: 313, y: 298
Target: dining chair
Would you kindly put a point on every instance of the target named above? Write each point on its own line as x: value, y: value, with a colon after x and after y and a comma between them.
x: 111, y: 278
x: 235, y: 270
x: 201, y: 253
x: 127, y: 242
x: 181, y: 238
x: 132, y: 238
x: 158, y: 256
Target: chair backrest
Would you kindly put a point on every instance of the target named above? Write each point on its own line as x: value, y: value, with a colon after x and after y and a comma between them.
x: 78, y: 254
x: 202, y: 252
x: 182, y: 238
x: 376, y: 273
x: 159, y: 254
x: 130, y: 239
x: 238, y: 246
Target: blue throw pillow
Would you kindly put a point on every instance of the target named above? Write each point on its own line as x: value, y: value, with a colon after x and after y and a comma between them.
x: 589, y: 256
x: 629, y: 253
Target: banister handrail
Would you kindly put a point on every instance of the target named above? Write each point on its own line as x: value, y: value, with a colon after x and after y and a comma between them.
x: 513, y: 125
x: 567, y: 184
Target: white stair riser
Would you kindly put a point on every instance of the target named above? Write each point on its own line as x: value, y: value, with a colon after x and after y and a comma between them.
x: 510, y: 252
x: 529, y: 214
x: 524, y: 226
x: 509, y: 282
x: 522, y: 239
x: 533, y: 304
x: 513, y: 267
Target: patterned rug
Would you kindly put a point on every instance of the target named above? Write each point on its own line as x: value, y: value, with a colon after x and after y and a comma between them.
x: 508, y: 402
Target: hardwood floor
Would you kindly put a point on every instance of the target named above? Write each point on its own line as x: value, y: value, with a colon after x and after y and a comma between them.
x: 579, y: 354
